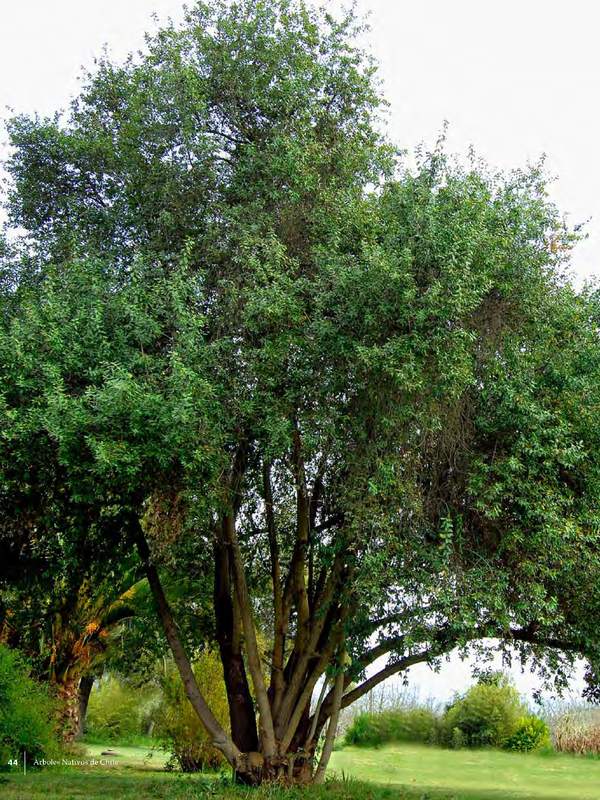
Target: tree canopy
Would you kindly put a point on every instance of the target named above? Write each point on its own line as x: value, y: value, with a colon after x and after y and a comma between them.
x: 243, y: 343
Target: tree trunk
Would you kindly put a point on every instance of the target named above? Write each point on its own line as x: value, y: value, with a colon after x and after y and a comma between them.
x: 338, y: 692
x: 67, y: 693
x: 85, y: 687
x: 241, y: 707
x: 287, y: 755
x: 267, y: 733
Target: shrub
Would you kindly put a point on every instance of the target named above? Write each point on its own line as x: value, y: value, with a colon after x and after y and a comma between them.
x: 486, y: 715
x: 398, y: 725
x: 177, y: 725
x: 117, y: 712
x: 531, y: 733
x: 457, y: 740
x: 26, y: 713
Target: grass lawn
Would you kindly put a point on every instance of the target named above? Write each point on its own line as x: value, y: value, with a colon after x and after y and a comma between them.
x: 401, y: 772
x: 473, y: 774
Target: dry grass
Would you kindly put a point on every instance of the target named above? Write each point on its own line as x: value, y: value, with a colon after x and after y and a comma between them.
x: 577, y: 731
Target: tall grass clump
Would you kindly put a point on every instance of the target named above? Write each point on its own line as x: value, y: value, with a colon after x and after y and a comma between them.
x: 577, y: 732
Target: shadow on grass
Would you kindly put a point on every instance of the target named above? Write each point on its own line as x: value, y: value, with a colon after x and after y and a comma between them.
x: 57, y: 786
x: 351, y: 789
x: 423, y: 792
x: 86, y: 786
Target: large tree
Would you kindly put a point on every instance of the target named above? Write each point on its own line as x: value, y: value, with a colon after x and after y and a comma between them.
x: 360, y: 398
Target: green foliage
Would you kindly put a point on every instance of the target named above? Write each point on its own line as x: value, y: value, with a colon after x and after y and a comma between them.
x: 397, y: 725
x: 119, y: 713
x: 177, y: 726
x: 488, y: 714
x: 457, y: 740
x: 223, y: 270
x: 531, y: 733
x: 26, y: 713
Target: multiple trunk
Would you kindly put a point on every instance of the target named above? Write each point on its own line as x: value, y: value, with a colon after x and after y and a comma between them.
x: 310, y: 614
x: 282, y: 746
x: 273, y: 735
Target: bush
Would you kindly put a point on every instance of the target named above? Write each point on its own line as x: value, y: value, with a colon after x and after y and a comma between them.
x: 486, y: 715
x: 26, y: 713
x: 117, y: 712
x: 177, y: 725
x: 531, y: 733
x: 398, y: 725
x: 457, y: 740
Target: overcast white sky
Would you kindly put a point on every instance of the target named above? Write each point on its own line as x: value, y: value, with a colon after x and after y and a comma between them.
x: 516, y: 79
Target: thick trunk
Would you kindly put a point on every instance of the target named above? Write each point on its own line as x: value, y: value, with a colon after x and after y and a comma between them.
x: 67, y: 693
x: 85, y: 687
x: 241, y: 708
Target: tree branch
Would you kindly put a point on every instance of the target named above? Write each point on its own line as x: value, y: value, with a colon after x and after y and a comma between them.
x: 338, y: 691
x: 219, y: 737
x: 279, y: 625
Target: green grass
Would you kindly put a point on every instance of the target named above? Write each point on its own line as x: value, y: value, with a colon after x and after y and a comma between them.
x: 473, y: 774
x: 144, y: 758
x: 134, y: 740
x: 395, y: 772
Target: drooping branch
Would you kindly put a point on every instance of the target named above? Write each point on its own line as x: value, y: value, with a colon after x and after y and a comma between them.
x: 531, y: 636
x: 524, y: 635
x: 443, y: 643
x: 220, y: 739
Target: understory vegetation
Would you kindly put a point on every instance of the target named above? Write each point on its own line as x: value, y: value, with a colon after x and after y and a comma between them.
x: 120, y: 713
x: 26, y: 713
x: 158, y: 714
x: 489, y: 714
x: 576, y: 729
x: 177, y: 727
